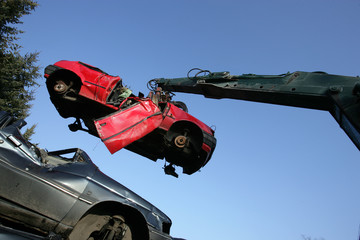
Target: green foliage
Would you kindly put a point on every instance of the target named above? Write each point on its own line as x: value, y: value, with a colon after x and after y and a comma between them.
x: 10, y: 14
x: 18, y: 73
x: 29, y: 132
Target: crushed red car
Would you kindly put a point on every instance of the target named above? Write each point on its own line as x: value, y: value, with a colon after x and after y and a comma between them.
x: 154, y: 126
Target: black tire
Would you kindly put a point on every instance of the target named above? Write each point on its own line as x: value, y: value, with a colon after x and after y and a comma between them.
x: 101, y: 227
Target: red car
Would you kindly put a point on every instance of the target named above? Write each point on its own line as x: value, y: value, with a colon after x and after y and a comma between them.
x: 154, y: 127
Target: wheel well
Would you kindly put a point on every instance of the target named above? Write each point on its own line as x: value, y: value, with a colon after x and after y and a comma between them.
x: 66, y: 74
x: 179, y: 126
x: 132, y: 216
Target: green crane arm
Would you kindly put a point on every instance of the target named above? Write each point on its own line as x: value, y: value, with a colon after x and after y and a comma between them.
x: 340, y: 95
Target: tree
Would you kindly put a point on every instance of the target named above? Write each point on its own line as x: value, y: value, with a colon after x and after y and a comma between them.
x: 18, y: 73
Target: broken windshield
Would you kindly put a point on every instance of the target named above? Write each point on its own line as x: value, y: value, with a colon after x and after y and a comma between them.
x: 65, y: 156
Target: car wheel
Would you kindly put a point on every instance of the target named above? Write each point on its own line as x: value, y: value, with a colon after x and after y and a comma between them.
x: 101, y: 227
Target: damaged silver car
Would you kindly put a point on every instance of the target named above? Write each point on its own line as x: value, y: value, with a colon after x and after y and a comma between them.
x: 64, y: 194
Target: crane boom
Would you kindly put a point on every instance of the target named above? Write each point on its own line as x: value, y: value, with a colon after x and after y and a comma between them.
x: 315, y: 90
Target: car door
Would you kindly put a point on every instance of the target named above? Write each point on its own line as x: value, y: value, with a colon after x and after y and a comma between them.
x: 129, y: 124
x: 48, y: 190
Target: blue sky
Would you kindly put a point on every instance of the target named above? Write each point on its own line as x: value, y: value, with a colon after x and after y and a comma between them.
x: 278, y: 172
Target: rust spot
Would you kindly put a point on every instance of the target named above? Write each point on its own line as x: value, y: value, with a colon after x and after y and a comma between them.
x: 295, y: 75
x: 180, y: 141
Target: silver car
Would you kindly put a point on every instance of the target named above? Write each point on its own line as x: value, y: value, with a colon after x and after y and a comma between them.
x: 63, y: 194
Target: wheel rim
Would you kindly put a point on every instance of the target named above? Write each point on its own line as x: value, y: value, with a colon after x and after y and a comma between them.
x: 60, y: 87
x: 180, y: 141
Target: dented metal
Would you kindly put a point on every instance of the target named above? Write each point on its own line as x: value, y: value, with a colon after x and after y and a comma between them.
x: 151, y: 126
x: 50, y: 192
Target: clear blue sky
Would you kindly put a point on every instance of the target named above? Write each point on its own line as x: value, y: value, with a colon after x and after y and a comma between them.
x: 278, y: 172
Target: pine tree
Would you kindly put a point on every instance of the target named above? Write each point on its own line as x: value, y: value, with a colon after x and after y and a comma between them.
x: 18, y: 73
